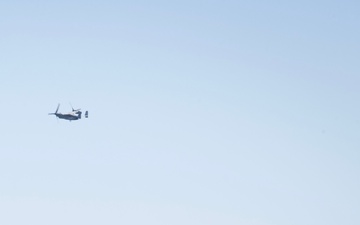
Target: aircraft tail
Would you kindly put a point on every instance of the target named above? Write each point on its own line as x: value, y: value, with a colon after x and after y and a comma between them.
x: 79, y: 114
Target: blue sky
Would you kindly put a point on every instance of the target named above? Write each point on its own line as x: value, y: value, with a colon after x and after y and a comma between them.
x: 201, y: 112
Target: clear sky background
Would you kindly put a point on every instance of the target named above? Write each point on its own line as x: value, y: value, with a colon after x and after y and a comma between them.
x: 201, y: 112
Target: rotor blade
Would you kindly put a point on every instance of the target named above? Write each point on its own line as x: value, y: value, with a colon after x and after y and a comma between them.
x: 57, y: 108
x: 72, y: 107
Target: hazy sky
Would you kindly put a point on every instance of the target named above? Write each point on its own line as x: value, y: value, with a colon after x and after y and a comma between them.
x: 201, y: 112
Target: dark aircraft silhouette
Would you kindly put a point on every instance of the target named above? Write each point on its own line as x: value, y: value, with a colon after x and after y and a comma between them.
x: 74, y: 115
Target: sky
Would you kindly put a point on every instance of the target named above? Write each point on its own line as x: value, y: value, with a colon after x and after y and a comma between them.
x: 200, y: 112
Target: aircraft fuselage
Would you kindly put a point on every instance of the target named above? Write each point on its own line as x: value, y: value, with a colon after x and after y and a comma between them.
x: 68, y: 116
x: 74, y: 115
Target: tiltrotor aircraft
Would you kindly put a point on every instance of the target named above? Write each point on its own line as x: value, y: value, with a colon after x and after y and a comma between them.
x: 74, y: 115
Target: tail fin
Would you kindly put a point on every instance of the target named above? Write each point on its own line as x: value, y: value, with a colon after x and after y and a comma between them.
x: 79, y: 114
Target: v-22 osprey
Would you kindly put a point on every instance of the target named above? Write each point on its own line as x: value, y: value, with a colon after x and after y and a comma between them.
x: 75, y: 114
